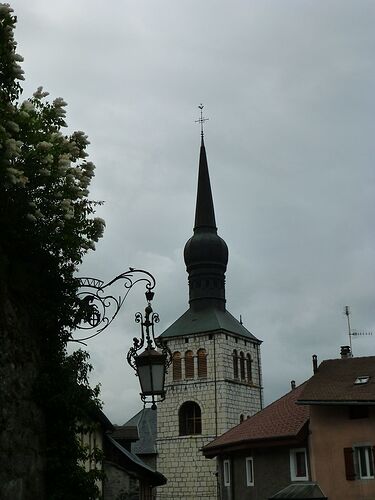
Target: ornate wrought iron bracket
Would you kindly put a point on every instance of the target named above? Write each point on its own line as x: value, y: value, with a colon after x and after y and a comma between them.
x: 97, y: 307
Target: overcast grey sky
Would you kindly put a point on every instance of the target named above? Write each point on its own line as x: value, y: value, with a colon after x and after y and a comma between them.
x: 288, y: 87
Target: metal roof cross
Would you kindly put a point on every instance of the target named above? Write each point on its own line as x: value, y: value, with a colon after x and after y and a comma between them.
x: 201, y: 119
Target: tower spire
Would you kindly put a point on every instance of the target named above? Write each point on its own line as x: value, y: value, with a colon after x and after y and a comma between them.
x: 205, y: 253
x: 204, y: 208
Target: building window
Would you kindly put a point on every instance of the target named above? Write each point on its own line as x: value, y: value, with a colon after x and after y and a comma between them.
x: 365, y: 462
x: 298, y: 465
x: 235, y: 364
x: 189, y: 364
x: 249, y: 471
x: 190, y: 419
x: 177, y: 371
x: 226, y: 468
x: 242, y: 365
x: 248, y: 368
x: 202, y: 363
x: 241, y: 418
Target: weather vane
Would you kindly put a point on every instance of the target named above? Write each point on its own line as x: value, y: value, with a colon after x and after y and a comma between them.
x: 201, y: 119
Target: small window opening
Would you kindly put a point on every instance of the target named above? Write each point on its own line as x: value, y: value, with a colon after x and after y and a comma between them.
x: 202, y: 363
x: 189, y: 364
x: 363, y: 379
x: 242, y: 365
x: 190, y: 419
x: 177, y: 371
x: 226, y: 466
x: 235, y: 364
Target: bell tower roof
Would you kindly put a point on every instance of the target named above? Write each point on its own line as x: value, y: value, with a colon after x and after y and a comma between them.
x: 206, y: 258
x: 205, y: 253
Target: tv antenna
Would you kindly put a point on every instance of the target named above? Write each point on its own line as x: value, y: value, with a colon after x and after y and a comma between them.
x: 353, y: 333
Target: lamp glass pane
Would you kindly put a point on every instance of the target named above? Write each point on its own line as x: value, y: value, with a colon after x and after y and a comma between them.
x: 151, y: 378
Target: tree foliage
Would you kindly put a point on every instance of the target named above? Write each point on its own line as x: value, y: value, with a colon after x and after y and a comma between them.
x: 47, y: 225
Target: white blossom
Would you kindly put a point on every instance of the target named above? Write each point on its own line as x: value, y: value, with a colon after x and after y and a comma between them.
x: 45, y: 172
x: 64, y: 161
x: 13, y: 126
x: 59, y: 102
x: 56, y: 135
x: 13, y: 147
x: 44, y: 145
x: 16, y: 176
x: 18, y: 71
x: 18, y: 57
x: 47, y: 159
x: 28, y: 106
x: 39, y: 94
x: 5, y: 9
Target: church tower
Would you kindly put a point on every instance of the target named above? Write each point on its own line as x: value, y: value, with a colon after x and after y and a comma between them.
x: 215, y: 379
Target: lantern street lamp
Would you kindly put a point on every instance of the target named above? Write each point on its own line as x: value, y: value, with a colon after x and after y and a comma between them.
x: 96, y: 309
x: 151, y: 365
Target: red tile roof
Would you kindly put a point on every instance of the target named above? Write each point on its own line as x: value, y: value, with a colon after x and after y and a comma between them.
x: 281, y: 420
x: 334, y: 382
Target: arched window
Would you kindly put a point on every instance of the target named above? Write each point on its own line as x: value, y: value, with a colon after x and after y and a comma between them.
x: 248, y: 368
x: 189, y: 364
x: 202, y: 363
x: 241, y: 418
x: 190, y: 419
x: 242, y: 365
x: 235, y: 364
x: 177, y: 371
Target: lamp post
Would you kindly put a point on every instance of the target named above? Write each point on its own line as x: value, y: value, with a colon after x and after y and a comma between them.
x: 151, y: 365
x: 96, y: 309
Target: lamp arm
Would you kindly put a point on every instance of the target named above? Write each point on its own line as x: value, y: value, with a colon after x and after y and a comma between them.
x: 95, y: 310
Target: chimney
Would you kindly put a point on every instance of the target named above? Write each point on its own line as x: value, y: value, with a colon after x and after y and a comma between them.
x: 345, y: 352
x: 293, y: 384
x: 315, y: 363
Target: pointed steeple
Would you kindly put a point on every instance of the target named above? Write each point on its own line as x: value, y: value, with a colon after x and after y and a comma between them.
x: 205, y: 253
x: 204, y: 209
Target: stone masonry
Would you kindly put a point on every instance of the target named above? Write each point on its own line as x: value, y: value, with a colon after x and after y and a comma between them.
x: 222, y: 400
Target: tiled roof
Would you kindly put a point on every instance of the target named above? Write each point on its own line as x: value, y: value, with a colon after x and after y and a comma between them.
x: 125, y: 433
x: 334, y: 382
x: 131, y: 462
x: 207, y: 320
x: 146, y: 422
x: 280, y: 420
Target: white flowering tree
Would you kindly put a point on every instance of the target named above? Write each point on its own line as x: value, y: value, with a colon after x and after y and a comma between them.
x: 47, y: 225
x: 44, y: 173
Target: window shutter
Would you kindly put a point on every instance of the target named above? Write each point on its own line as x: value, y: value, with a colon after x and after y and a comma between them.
x: 235, y: 364
x: 189, y: 364
x: 249, y: 371
x: 177, y: 372
x: 242, y: 365
x: 349, y: 464
x: 202, y: 363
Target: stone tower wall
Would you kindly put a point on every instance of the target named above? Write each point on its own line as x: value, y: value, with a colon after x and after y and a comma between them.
x: 222, y: 400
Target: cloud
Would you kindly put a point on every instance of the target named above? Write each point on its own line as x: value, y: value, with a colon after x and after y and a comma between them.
x: 288, y: 89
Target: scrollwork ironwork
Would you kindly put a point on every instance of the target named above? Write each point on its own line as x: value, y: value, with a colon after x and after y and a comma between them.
x: 96, y: 310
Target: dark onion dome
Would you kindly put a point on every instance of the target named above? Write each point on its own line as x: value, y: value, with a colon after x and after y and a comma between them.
x: 205, y: 253
x: 206, y: 249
